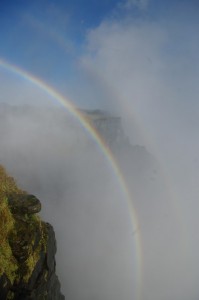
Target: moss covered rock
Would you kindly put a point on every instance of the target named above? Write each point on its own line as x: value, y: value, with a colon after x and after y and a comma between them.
x: 27, y: 247
x: 24, y: 204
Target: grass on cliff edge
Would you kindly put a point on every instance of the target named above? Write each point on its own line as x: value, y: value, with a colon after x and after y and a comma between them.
x: 8, y: 263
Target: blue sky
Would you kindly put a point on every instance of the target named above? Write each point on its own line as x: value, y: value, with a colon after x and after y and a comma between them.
x: 47, y: 37
x: 26, y: 28
x: 50, y: 39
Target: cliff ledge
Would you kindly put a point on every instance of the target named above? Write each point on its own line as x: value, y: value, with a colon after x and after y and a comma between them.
x: 27, y: 247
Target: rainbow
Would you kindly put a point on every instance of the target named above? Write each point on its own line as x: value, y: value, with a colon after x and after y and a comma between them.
x: 85, y: 124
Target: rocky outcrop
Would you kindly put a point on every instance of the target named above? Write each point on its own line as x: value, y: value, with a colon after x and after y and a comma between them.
x: 108, y: 126
x: 27, y: 249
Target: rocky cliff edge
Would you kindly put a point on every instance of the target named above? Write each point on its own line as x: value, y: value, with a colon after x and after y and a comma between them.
x: 27, y: 247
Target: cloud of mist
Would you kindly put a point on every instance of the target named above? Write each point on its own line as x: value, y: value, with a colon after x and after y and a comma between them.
x: 146, y: 72
x: 22, y: 92
x: 151, y: 67
x: 50, y: 156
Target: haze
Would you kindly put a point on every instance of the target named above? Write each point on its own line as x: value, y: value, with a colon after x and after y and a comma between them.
x: 137, y: 60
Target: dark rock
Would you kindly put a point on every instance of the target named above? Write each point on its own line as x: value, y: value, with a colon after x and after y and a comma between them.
x: 24, y: 289
x: 51, y: 248
x: 24, y: 204
x: 4, y: 286
x: 33, y: 246
x: 25, y: 240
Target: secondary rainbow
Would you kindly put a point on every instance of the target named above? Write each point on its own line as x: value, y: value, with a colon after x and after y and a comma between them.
x: 103, y: 147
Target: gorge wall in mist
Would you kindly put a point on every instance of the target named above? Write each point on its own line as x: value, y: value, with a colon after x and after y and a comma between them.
x: 50, y: 156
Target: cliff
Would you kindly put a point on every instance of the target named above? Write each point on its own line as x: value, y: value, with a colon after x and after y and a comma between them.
x: 27, y: 247
x: 107, y: 125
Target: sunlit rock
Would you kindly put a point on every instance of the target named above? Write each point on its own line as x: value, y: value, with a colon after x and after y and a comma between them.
x: 27, y: 248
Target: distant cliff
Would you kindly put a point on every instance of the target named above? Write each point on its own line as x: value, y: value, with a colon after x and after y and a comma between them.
x: 111, y: 130
x: 27, y: 247
x: 108, y: 126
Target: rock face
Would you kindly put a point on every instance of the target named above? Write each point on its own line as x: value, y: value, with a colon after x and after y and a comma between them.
x: 108, y: 126
x: 27, y: 249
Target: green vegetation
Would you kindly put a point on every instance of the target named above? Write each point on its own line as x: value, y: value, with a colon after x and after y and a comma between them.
x: 8, y: 263
x: 22, y: 235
